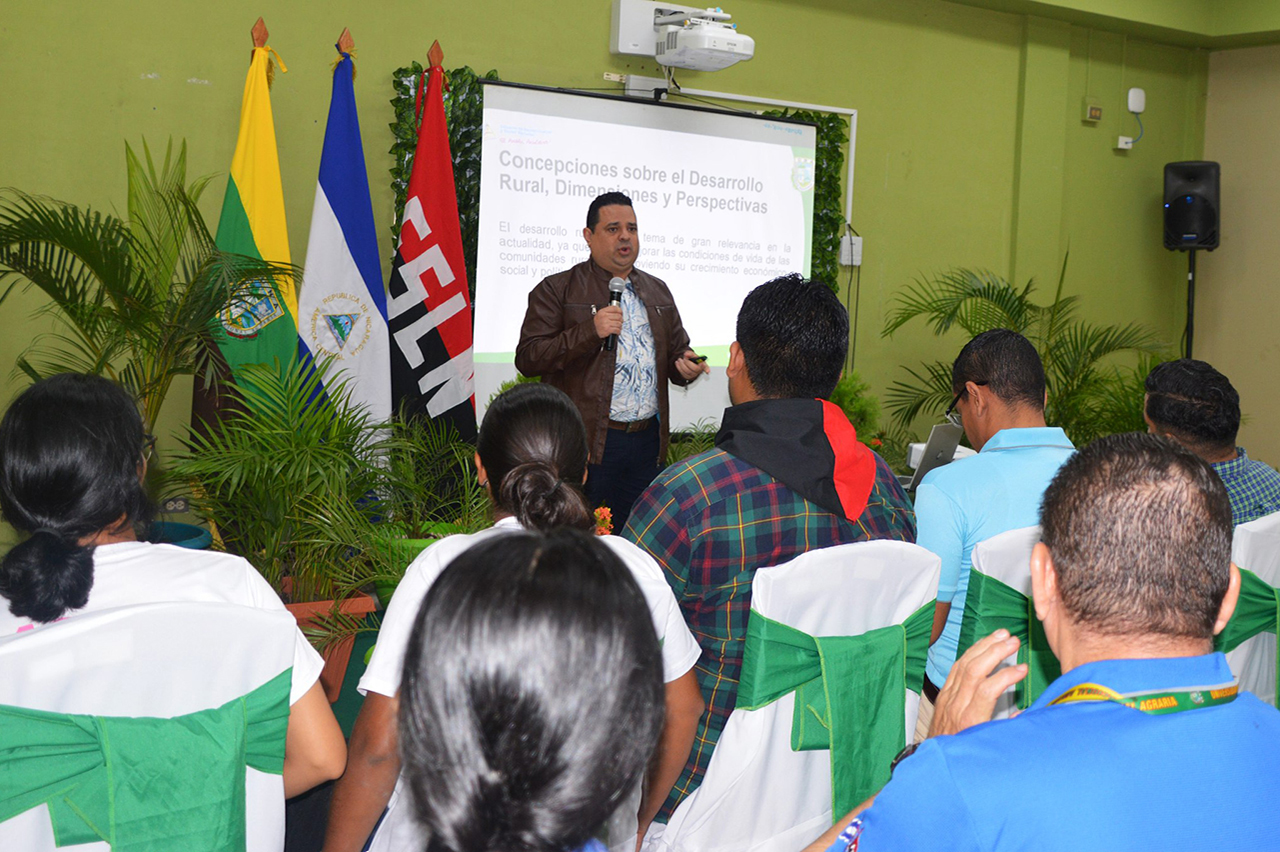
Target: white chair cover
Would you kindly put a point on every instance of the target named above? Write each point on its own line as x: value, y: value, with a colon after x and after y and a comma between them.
x: 758, y: 795
x: 162, y: 660
x: 1256, y: 547
x: 1007, y: 558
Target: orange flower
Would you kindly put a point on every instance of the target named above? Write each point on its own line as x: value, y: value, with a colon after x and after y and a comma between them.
x: 604, y: 521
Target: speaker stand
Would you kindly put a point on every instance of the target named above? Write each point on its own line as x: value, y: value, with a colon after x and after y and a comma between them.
x: 1191, y: 298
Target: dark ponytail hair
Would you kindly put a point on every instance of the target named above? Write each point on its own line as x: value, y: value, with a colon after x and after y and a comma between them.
x: 532, y: 695
x: 70, y: 447
x: 534, y: 450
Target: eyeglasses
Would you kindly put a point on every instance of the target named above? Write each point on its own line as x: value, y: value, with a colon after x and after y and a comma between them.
x: 951, y: 415
x: 148, y: 444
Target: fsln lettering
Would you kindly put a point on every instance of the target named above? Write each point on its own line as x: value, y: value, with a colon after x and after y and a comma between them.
x: 454, y: 378
x: 411, y: 272
x: 413, y: 215
x: 408, y: 338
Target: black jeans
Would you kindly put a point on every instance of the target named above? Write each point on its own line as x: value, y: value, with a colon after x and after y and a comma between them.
x: 629, y: 465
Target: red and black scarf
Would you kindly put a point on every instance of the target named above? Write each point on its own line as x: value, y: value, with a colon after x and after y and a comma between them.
x: 806, y: 444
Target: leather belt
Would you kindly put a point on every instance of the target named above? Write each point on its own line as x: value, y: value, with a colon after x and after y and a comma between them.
x: 632, y: 426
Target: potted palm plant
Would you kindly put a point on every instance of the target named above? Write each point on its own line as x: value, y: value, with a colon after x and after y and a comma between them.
x: 431, y: 492
x: 291, y: 452
x: 135, y: 296
x: 1091, y: 392
x: 325, y: 502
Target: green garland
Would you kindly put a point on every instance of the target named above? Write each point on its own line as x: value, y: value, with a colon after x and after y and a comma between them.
x: 463, y: 101
x: 828, y: 216
x: 463, y: 104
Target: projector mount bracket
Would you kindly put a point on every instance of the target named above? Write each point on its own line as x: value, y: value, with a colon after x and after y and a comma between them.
x: 633, y: 26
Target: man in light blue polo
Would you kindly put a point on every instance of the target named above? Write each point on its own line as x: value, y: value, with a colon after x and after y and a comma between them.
x: 1144, y: 742
x: 999, y: 386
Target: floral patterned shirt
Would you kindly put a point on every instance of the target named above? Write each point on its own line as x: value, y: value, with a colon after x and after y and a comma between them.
x: 635, y: 368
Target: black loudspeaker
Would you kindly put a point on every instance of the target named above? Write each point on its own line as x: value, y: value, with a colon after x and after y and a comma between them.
x: 1191, y: 205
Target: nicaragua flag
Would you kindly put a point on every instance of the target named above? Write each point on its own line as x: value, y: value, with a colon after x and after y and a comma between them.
x: 342, y: 306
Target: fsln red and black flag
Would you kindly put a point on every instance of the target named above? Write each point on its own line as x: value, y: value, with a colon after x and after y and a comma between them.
x: 429, y: 310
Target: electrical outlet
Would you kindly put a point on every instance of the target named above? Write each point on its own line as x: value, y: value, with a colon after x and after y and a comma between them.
x: 850, y: 250
x: 175, y: 506
x: 1092, y: 111
x: 1124, y: 143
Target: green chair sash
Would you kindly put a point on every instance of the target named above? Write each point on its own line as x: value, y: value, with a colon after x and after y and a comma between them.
x: 1257, y: 611
x: 849, y: 693
x: 144, y: 784
x: 990, y: 605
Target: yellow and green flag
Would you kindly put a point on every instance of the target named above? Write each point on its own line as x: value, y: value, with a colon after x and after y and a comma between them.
x: 261, y: 324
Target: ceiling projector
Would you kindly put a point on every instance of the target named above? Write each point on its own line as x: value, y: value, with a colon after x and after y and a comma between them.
x: 678, y: 36
x: 700, y: 44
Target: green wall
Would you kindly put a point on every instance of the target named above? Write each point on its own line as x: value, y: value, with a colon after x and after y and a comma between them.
x: 971, y: 151
x: 1215, y: 24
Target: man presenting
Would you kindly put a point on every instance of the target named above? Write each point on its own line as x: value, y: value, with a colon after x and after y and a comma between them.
x: 1143, y: 742
x: 621, y: 390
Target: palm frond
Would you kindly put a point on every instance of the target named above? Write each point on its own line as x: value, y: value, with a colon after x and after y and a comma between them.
x: 1079, y: 346
x: 429, y: 478
x: 1086, y: 388
x: 929, y: 393
x: 65, y: 251
x: 698, y: 438
x: 966, y: 298
x: 140, y: 295
x: 53, y: 352
x: 1062, y: 308
x: 151, y: 212
x: 292, y: 477
x: 328, y: 629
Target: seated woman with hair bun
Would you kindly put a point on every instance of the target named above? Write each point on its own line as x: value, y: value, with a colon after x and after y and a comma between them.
x: 532, y: 458
x: 72, y: 460
x: 531, y: 698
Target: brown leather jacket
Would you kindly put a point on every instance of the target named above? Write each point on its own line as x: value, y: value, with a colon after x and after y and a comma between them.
x: 558, y: 342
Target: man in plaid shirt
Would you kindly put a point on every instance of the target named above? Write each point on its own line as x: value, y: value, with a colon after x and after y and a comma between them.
x: 1193, y: 404
x: 787, y: 475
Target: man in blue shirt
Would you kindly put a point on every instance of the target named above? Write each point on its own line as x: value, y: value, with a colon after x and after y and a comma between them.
x: 999, y: 388
x: 1143, y: 742
x: 1195, y: 405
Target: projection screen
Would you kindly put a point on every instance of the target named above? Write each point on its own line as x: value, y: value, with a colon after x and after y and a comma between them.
x: 723, y: 201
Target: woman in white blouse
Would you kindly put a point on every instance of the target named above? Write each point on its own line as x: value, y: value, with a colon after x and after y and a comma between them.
x: 532, y: 458
x: 73, y: 455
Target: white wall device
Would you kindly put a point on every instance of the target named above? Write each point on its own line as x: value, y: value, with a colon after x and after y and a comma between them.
x: 1137, y: 103
x: 678, y: 36
x: 1137, y: 100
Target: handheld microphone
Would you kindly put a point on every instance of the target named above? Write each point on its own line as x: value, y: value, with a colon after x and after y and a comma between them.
x: 616, y: 286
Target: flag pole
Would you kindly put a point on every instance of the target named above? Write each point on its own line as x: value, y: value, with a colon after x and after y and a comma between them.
x: 346, y: 43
